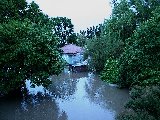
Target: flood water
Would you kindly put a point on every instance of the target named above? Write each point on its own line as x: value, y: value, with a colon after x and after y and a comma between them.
x: 72, y: 96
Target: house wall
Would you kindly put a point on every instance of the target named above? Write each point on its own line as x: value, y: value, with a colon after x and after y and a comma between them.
x: 73, y: 58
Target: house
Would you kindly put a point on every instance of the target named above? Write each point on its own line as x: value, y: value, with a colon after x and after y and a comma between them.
x: 73, y: 55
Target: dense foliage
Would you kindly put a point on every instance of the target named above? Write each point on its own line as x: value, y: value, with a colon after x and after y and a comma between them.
x: 134, y: 44
x: 96, y: 51
x: 113, y: 35
x: 28, y: 46
x: 90, y: 33
x: 144, y: 104
x: 128, y: 52
x: 110, y: 71
x: 64, y: 29
x: 140, y: 65
x: 140, y: 62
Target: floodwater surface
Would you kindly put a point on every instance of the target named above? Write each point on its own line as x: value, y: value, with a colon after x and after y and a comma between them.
x: 72, y: 96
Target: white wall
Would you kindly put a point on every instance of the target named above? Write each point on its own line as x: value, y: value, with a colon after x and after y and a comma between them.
x: 73, y: 59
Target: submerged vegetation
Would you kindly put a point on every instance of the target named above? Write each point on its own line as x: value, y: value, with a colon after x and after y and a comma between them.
x: 127, y: 53
x: 125, y: 49
x: 28, y: 47
x: 144, y: 104
x: 29, y: 44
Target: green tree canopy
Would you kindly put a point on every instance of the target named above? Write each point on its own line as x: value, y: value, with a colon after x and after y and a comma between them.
x: 28, y: 48
x: 12, y: 9
x: 63, y: 28
x: 139, y: 63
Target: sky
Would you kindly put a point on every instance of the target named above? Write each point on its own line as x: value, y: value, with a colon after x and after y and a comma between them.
x: 83, y: 13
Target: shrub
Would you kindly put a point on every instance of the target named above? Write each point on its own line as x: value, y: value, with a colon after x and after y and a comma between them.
x: 96, y: 50
x: 140, y: 63
x: 110, y: 72
x: 144, y: 104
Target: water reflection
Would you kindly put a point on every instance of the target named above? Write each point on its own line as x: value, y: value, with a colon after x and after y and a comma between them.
x: 31, y: 108
x: 106, y: 95
x: 72, y: 96
x: 65, y: 85
x: 89, y: 97
x: 80, y: 108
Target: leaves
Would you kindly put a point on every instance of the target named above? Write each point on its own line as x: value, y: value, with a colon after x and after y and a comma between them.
x: 144, y: 103
x: 110, y: 71
x: 63, y: 28
x: 140, y: 61
x: 29, y: 50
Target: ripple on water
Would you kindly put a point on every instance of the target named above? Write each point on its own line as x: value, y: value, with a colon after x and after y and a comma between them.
x: 72, y: 96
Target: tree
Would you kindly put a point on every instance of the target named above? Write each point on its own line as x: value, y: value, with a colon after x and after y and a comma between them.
x: 72, y: 39
x: 144, y: 8
x: 81, y: 39
x: 12, y: 9
x: 97, y: 52
x: 111, y: 37
x: 143, y: 105
x: 119, y: 31
x: 63, y: 28
x: 35, y: 15
x: 139, y: 64
x: 28, y: 50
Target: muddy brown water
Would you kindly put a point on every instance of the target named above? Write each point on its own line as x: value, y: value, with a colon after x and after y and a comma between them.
x: 72, y: 96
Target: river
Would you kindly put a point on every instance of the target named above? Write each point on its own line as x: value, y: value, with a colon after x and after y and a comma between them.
x: 72, y: 96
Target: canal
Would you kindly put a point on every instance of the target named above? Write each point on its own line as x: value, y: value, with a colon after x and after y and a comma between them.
x: 72, y: 96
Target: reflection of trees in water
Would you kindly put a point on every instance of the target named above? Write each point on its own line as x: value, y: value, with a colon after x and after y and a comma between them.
x: 31, y: 108
x: 63, y: 116
x: 64, y: 85
x: 38, y: 108
x: 109, y: 97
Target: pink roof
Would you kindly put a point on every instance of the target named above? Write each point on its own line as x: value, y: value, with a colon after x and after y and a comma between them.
x: 72, y: 49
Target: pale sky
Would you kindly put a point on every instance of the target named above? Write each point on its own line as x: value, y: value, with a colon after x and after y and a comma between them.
x: 83, y: 13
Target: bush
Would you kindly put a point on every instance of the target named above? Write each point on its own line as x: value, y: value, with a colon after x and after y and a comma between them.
x: 144, y: 104
x: 102, y: 48
x: 140, y: 63
x: 110, y: 72
x: 135, y: 116
x: 96, y: 50
x: 28, y: 47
